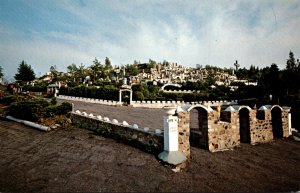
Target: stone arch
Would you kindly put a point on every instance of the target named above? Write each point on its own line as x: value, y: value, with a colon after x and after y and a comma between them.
x: 198, y: 126
x: 244, y: 117
x: 276, y: 114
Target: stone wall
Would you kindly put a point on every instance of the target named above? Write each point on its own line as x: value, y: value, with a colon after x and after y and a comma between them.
x: 285, y: 122
x: 147, y: 141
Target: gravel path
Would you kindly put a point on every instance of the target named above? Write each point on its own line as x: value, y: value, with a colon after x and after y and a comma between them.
x: 77, y: 160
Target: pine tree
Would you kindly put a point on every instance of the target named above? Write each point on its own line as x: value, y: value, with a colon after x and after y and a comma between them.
x: 25, y: 73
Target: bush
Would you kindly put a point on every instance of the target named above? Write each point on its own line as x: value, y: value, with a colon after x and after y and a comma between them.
x: 64, y: 108
x: 7, y: 100
x: 28, y: 110
x: 50, y: 111
x: 53, y: 101
x: 34, y: 109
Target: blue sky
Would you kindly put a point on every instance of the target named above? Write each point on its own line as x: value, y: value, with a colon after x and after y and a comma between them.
x: 62, y: 32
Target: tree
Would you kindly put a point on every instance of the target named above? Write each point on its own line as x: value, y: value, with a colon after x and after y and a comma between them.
x: 97, y: 69
x: 54, y: 73
x: 1, y: 72
x: 291, y: 62
x: 25, y: 73
x: 131, y: 69
x: 107, y: 63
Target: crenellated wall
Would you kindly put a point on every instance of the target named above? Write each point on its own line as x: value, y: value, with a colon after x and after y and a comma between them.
x: 260, y: 126
x: 223, y: 135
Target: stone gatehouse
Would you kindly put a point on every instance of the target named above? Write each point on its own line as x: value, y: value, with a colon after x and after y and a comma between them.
x: 218, y: 130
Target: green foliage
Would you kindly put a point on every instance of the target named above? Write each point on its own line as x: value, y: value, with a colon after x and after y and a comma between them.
x: 32, y: 110
x: 7, y: 100
x: 64, y: 108
x: 25, y: 73
x: 131, y: 70
x: 106, y: 92
x: 28, y: 110
x: 38, y: 87
x: 53, y: 101
x: 1, y: 72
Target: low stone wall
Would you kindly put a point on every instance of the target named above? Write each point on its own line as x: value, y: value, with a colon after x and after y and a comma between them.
x: 132, y: 135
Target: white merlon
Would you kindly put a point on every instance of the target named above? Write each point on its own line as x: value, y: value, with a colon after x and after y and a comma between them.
x: 125, y: 123
x: 158, y: 131
x: 99, y: 117
x: 146, y: 129
x: 115, y: 121
x: 135, y: 126
x: 106, y: 119
x: 91, y: 115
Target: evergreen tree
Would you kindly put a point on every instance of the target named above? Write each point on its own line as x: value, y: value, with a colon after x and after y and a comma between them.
x: 1, y: 72
x: 291, y: 62
x: 25, y: 73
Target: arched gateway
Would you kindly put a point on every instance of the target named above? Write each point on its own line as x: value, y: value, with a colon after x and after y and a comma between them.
x: 125, y: 88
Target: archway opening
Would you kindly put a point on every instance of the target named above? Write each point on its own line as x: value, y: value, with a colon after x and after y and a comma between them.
x: 125, y: 96
x: 277, y: 122
x: 244, y: 126
x: 199, y: 128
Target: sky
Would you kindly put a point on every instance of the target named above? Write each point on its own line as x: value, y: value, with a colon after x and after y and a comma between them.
x: 188, y: 32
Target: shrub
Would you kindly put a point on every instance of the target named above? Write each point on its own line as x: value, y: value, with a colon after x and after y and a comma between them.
x: 28, y: 110
x: 7, y: 100
x: 50, y: 111
x: 53, y: 101
x: 64, y: 108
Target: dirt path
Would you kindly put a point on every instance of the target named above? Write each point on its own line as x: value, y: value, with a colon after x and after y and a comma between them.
x: 77, y: 160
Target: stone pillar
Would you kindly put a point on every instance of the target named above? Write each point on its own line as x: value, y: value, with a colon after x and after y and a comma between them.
x: 285, y: 122
x: 184, y: 133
